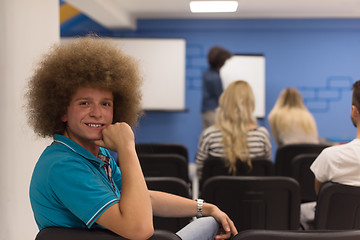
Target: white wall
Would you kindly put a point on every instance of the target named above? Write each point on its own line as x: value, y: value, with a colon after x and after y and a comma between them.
x: 27, y: 29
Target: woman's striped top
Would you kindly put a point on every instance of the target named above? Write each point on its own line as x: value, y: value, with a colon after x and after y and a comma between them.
x: 210, y: 144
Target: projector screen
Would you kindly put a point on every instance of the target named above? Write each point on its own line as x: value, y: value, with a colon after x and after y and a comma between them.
x: 162, y: 66
x: 250, y: 68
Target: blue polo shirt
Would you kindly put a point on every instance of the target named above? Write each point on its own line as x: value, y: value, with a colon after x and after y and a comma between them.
x: 69, y: 186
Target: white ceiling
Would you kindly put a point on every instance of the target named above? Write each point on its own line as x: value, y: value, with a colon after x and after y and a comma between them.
x: 117, y: 14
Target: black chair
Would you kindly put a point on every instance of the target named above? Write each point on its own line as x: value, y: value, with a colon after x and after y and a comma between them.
x: 300, y: 170
x: 159, y: 148
x: 164, y: 165
x: 338, y: 207
x: 170, y: 185
x: 297, y: 235
x: 58, y: 233
x: 256, y: 202
x: 215, y: 166
x: 286, y: 153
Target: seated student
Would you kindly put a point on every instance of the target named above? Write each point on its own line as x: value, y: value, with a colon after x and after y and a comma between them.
x: 290, y: 120
x: 236, y: 136
x: 86, y: 95
x: 340, y: 163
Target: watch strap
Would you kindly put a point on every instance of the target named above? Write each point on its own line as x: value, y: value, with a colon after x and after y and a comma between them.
x: 200, y: 203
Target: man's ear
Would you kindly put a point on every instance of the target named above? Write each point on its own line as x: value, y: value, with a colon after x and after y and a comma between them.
x: 354, y: 110
x: 64, y: 118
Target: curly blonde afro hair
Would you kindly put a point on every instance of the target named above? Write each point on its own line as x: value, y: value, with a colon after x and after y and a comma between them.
x: 84, y: 62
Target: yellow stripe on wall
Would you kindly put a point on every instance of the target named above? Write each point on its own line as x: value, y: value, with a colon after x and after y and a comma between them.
x: 67, y: 11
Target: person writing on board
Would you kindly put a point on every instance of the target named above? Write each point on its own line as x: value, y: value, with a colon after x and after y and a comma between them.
x: 85, y: 95
x: 212, y: 85
x: 236, y: 135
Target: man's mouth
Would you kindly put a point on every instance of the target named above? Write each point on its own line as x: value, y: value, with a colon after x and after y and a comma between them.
x: 94, y: 125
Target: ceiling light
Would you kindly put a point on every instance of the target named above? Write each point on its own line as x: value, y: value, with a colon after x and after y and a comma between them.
x: 213, y: 6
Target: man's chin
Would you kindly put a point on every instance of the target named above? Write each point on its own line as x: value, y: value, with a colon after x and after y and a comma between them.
x: 96, y: 137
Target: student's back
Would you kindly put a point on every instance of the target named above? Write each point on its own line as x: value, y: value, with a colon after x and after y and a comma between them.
x: 236, y: 136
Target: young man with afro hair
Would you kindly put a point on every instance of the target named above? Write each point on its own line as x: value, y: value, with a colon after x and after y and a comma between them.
x: 86, y: 96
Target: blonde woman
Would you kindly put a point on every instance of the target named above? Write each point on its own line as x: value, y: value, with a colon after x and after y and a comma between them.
x: 236, y: 135
x: 290, y: 120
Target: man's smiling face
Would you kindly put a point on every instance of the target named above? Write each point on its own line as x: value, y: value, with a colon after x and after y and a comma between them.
x: 89, y: 112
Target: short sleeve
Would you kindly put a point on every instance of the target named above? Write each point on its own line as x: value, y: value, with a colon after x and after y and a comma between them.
x: 321, y: 167
x: 82, y: 189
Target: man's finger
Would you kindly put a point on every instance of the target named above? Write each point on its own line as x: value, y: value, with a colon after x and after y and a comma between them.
x: 223, y: 236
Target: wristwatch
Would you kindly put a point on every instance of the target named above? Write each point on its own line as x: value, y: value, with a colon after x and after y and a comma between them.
x: 200, y: 203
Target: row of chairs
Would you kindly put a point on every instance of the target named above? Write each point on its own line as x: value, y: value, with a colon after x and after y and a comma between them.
x: 299, y: 170
x: 98, y: 234
x: 253, y: 206
x: 62, y: 233
x: 298, y: 167
x: 271, y: 203
x: 283, y: 157
x: 168, y: 165
x: 292, y: 160
x: 266, y: 203
x: 297, y: 235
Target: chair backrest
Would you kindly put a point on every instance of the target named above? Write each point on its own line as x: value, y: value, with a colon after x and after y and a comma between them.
x: 174, y: 186
x: 164, y: 165
x: 171, y: 185
x: 216, y: 166
x: 159, y: 148
x: 60, y: 233
x: 338, y: 207
x: 297, y: 235
x: 256, y: 202
x: 286, y: 153
x: 300, y: 170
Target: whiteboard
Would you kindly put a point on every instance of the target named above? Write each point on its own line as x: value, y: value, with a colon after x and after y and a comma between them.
x: 250, y: 68
x: 162, y: 66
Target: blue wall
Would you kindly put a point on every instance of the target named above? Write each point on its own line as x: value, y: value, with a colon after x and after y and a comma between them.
x: 320, y: 57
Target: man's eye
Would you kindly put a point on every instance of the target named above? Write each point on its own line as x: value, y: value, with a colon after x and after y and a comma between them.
x: 107, y: 104
x: 84, y: 103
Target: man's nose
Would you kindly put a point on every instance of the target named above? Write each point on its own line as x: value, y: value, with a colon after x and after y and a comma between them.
x: 95, y: 111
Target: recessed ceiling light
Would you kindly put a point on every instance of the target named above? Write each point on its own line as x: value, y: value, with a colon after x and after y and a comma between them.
x: 213, y: 6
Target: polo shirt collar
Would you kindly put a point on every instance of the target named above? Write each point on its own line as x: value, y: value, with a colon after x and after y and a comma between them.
x: 77, y: 148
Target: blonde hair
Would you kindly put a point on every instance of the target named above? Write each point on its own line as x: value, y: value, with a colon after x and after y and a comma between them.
x: 288, y: 111
x: 234, y: 115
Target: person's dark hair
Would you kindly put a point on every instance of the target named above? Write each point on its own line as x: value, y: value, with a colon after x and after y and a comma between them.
x: 84, y: 62
x: 217, y: 57
x: 356, y: 95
